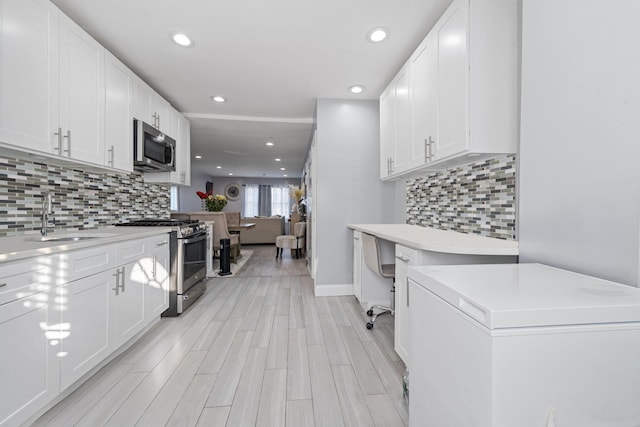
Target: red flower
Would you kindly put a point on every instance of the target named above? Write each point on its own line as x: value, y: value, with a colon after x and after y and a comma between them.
x: 202, y: 195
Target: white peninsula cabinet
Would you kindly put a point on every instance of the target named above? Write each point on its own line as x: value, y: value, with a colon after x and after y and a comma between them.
x: 462, y: 92
x: 62, y: 315
x: 415, y: 245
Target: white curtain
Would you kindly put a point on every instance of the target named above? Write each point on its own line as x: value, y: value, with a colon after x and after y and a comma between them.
x: 250, y: 200
x: 280, y: 200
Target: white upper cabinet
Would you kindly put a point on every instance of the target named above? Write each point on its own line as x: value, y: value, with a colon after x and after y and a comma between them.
x: 29, y: 79
x: 118, y: 115
x: 82, y: 92
x: 387, y: 129
x: 151, y: 108
x: 463, y: 91
x: 182, y: 174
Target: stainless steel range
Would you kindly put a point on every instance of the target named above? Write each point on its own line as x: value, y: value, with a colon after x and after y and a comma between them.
x: 188, y: 250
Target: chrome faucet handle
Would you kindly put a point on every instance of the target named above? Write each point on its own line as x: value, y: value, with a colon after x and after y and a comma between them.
x: 47, y: 210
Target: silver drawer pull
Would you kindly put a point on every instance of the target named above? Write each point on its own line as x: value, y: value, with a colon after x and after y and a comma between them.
x: 403, y: 259
x: 162, y: 243
x: 2, y: 285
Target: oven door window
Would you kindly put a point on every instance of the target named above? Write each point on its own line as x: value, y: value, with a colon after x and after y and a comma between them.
x: 195, y: 254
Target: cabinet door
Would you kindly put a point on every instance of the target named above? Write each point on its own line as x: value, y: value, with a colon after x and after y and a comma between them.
x: 129, y: 308
x: 142, y: 94
x: 453, y: 78
x: 424, y: 95
x: 29, y: 364
x: 161, y: 109
x: 86, y: 322
x: 403, y: 123
x: 118, y: 115
x: 82, y: 92
x: 158, y: 285
x: 387, y: 130
x: 29, y: 75
x: 185, y: 135
x: 358, y: 264
x: 405, y: 257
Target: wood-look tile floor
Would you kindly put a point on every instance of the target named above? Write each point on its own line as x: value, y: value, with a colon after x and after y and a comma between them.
x: 258, y: 349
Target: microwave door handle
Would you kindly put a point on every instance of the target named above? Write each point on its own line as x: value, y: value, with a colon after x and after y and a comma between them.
x: 173, y: 154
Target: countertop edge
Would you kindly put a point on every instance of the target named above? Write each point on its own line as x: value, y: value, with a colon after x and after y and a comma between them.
x: 473, y: 245
x: 31, y: 250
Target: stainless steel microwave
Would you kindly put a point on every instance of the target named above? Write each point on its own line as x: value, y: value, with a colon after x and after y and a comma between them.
x: 153, y: 151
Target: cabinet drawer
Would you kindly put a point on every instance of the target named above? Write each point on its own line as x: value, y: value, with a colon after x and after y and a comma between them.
x: 78, y: 264
x: 24, y: 278
x: 408, y: 255
x: 130, y: 251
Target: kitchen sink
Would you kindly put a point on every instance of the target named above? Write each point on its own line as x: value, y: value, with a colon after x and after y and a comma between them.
x: 71, y: 237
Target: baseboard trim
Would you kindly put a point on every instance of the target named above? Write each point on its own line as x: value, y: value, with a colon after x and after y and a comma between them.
x: 333, y: 290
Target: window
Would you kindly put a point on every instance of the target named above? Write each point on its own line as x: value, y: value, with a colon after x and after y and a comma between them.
x: 280, y: 200
x: 250, y: 200
x: 174, y: 203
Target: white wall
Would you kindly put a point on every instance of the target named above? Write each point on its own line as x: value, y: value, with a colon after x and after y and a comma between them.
x: 579, y: 200
x: 189, y: 200
x: 347, y: 187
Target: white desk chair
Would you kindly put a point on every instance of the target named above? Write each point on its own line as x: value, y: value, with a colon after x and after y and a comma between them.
x: 387, y: 271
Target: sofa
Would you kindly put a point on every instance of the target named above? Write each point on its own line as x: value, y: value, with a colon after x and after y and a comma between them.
x: 265, y: 231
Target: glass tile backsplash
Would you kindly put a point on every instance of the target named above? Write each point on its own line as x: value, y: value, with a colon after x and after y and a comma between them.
x: 81, y: 199
x: 478, y: 198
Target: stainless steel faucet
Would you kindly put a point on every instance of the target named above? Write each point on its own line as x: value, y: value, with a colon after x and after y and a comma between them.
x: 47, y: 209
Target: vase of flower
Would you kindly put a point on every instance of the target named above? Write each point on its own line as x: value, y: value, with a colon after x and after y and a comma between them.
x: 216, y: 202
x: 212, y: 202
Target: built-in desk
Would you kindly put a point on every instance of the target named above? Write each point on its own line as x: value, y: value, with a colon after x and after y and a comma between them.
x: 415, y: 245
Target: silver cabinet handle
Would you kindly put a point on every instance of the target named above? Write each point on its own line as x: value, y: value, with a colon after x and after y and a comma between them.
x: 2, y: 285
x: 407, y: 292
x: 165, y: 243
x: 431, y: 144
x: 59, y: 135
x: 391, y: 163
x: 155, y: 262
x: 111, y: 156
x: 117, y: 276
x: 426, y: 150
x: 123, y: 281
x: 68, y: 137
x: 403, y: 259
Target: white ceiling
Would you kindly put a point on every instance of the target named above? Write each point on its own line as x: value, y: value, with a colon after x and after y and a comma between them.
x: 271, y: 59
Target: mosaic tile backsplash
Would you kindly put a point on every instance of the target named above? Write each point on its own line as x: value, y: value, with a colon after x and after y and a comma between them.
x: 478, y: 198
x: 81, y: 199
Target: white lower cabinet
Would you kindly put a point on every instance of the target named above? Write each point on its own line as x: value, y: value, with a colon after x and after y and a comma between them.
x: 85, y: 327
x: 29, y: 366
x: 62, y: 315
x: 128, y: 308
x: 405, y: 257
x: 158, y: 286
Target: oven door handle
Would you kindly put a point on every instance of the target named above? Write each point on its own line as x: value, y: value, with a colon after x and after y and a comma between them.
x: 203, y: 236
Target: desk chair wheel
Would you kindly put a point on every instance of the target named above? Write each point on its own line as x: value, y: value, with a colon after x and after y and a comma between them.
x: 370, y: 313
x: 369, y: 325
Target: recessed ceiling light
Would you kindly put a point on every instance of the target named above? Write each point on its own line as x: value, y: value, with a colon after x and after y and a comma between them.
x: 377, y: 34
x: 356, y: 89
x: 282, y: 169
x: 198, y: 156
x: 230, y: 173
x: 181, y: 39
x: 218, y: 98
x: 278, y: 160
x: 285, y: 175
x: 218, y: 167
x: 269, y: 144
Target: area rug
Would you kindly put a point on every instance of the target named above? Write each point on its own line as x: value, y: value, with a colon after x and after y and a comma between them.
x: 215, y: 268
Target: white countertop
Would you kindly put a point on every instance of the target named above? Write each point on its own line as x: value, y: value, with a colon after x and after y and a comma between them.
x: 431, y: 239
x: 27, y: 245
